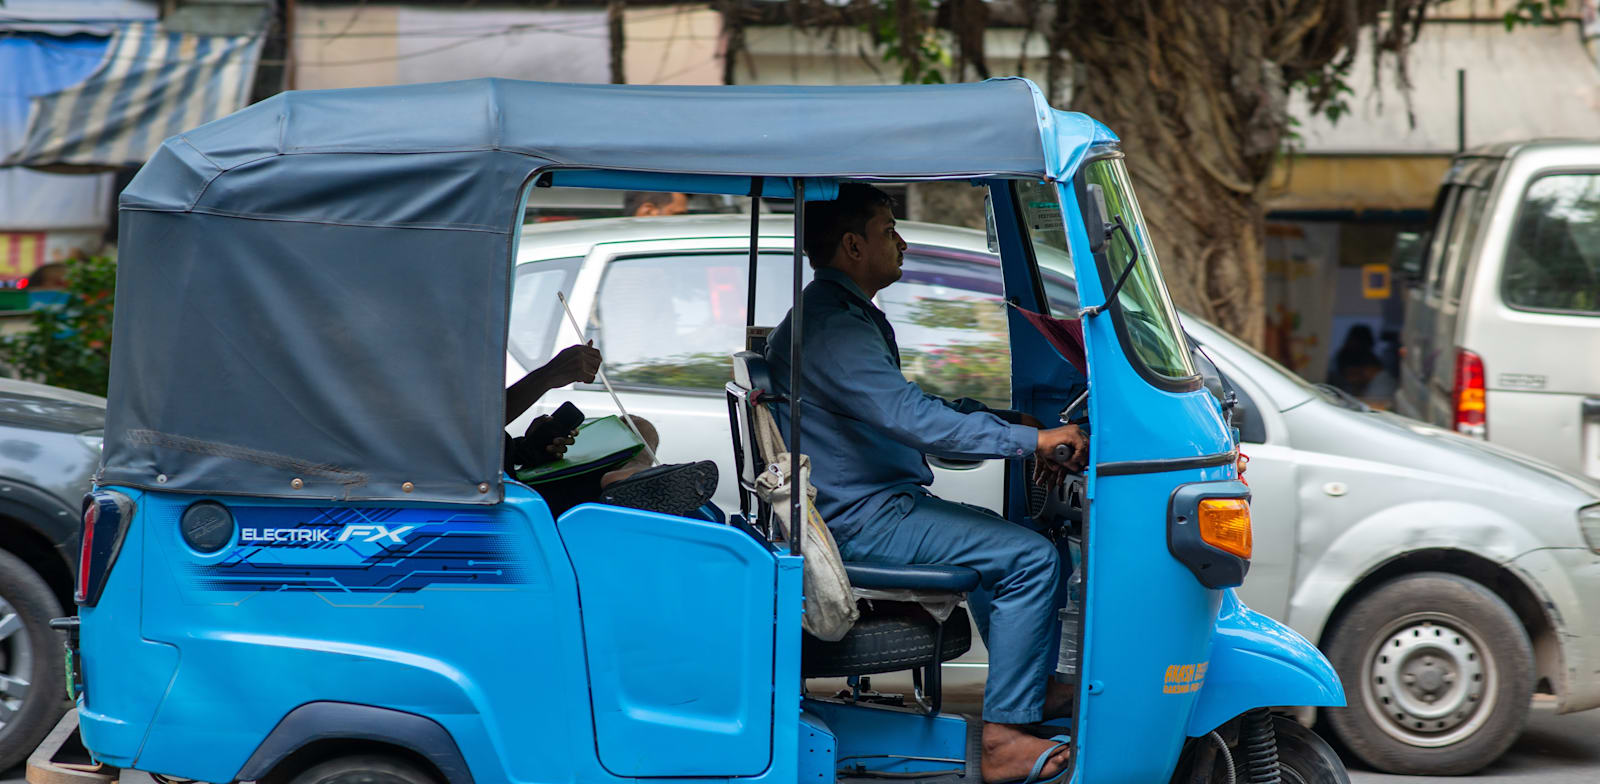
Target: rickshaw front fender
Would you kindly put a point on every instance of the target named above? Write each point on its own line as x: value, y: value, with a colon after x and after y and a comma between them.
x: 1257, y: 662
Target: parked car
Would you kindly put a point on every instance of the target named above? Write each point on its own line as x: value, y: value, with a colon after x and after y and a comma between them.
x: 1505, y: 303
x: 1445, y: 577
x: 49, y: 450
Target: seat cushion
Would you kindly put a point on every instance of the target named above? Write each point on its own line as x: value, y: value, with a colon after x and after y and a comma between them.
x: 918, y: 577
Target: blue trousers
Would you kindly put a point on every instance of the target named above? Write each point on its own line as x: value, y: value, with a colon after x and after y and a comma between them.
x: 1015, y: 607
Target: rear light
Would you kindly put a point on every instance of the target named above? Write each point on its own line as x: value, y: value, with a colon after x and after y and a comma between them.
x: 1225, y: 525
x: 22, y: 284
x: 1471, y: 396
x: 105, y: 522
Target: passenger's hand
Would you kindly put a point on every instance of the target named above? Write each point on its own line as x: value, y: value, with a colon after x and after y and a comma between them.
x: 1069, y: 436
x: 575, y: 364
x: 557, y: 446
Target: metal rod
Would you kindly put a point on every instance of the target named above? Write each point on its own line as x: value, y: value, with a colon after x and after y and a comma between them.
x: 756, y: 184
x: 1461, y: 110
x: 626, y: 420
x: 797, y: 524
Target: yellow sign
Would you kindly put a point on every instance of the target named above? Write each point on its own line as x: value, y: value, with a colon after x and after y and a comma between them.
x: 1375, y: 281
x: 1184, y: 678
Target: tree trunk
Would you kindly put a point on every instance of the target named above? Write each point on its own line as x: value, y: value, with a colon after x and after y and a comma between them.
x: 615, y: 16
x: 1201, y: 114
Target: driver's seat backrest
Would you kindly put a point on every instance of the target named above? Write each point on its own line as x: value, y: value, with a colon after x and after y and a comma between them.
x: 752, y: 383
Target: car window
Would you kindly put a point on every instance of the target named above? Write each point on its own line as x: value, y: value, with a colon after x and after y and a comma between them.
x: 1470, y: 208
x: 1553, y: 259
x: 949, y: 317
x: 535, y: 311
x: 675, y: 320
x: 1439, y: 236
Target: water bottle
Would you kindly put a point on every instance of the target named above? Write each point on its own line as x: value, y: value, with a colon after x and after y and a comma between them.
x: 1067, y: 658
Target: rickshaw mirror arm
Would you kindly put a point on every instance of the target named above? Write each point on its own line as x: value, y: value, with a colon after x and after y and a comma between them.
x: 1133, y: 259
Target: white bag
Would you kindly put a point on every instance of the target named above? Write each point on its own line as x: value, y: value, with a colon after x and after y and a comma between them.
x: 830, y: 608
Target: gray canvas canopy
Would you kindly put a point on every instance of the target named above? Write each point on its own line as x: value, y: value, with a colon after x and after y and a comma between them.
x: 312, y: 293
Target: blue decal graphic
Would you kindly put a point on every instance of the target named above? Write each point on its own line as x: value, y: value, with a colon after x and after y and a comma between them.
x: 362, y: 551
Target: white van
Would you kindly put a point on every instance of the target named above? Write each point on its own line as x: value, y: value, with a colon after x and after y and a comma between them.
x: 1502, y: 328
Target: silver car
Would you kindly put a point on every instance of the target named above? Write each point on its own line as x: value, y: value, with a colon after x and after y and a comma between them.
x: 1445, y: 577
x: 1505, y: 303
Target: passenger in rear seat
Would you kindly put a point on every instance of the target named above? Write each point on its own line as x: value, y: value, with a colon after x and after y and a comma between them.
x: 678, y: 489
x: 867, y: 429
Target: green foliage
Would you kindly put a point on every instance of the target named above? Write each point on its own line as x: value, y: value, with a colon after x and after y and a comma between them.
x: 931, y: 54
x: 979, y: 368
x: 1534, y: 12
x: 700, y: 370
x: 70, y: 345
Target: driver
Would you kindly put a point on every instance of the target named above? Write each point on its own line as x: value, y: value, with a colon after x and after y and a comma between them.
x: 868, y: 429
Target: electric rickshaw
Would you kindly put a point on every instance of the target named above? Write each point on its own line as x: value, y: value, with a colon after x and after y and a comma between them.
x: 303, y: 560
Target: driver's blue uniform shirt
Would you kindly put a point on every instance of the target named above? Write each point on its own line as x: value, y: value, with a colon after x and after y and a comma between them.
x: 864, y: 425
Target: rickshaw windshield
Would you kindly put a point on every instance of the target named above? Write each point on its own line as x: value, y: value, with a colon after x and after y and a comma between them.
x: 1146, y: 320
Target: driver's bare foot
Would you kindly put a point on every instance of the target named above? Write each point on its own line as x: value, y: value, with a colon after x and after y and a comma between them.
x: 1009, y: 754
x: 1058, y: 699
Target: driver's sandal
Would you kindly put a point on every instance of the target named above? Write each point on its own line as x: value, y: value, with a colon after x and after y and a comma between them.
x: 1044, y: 759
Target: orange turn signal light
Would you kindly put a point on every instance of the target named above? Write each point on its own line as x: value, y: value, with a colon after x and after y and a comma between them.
x: 1225, y: 525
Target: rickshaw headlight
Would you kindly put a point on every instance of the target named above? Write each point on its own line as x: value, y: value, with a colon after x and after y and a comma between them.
x: 1225, y: 525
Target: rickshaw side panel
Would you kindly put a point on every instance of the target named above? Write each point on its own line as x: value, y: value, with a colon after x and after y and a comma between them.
x: 678, y: 619
x: 470, y: 621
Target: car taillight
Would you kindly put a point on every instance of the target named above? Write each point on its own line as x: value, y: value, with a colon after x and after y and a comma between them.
x: 1471, y: 396
x: 105, y: 518
x: 22, y: 284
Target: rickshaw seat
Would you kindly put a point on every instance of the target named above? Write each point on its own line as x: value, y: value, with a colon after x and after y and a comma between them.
x: 917, y: 577
x: 891, y: 635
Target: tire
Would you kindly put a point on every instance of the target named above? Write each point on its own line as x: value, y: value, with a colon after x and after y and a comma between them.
x: 1438, y: 676
x: 364, y: 769
x: 891, y: 636
x: 32, y: 665
x: 1305, y: 758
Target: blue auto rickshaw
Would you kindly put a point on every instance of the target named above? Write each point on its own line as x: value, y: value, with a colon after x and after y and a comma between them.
x: 304, y: 562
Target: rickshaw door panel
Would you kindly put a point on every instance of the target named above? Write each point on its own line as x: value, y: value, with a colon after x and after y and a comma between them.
x: 678, y: 626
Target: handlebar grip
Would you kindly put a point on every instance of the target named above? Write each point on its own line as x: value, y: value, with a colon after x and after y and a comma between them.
x: 1061, y: 454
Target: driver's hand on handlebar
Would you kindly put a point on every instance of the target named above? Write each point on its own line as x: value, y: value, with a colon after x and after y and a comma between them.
x: 1076, y: 448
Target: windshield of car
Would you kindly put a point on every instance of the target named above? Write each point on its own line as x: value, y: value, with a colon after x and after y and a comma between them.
x: 1144, y: 312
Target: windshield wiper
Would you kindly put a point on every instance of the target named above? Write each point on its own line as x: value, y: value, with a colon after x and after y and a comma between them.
x: 1344, y: 398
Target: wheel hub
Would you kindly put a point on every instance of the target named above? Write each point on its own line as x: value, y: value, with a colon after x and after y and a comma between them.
x: 1429, y: 681
x: 16, y: 662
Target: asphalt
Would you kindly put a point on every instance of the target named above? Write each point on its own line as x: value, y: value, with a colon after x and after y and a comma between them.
x: 1553, y: 750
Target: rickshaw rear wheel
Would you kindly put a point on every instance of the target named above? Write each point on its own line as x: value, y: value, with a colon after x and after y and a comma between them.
x: 364, y: 769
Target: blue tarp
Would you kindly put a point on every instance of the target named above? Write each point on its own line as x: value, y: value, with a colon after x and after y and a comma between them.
x: 316, y: 287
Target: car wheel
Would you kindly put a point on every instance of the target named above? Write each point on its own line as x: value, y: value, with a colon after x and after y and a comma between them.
x: 364, y: 769
x: 1438, y: 676
x: 32, y: 668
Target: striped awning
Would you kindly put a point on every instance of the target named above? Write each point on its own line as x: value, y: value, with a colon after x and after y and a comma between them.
x: 152, y: 84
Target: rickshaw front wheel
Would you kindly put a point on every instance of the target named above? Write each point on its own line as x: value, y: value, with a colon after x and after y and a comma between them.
x: 1304, y: 757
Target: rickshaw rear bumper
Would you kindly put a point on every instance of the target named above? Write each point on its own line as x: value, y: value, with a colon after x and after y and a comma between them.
x: 1257, y: 662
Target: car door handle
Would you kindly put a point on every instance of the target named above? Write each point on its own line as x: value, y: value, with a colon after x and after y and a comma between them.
x: 953, y: 464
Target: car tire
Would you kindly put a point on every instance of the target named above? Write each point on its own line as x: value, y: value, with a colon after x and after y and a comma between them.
x: 1438, y: 676
x: 32, y: 667
x: 364, y: 769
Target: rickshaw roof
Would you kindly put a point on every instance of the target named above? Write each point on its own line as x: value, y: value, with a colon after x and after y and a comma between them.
x: 313, y: 292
